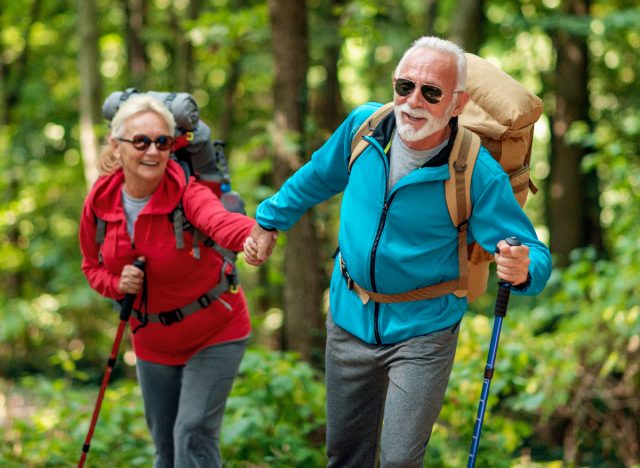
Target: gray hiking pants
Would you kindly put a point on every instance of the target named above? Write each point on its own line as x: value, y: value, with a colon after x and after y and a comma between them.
x: 404, y: 383
x: 184, y: 405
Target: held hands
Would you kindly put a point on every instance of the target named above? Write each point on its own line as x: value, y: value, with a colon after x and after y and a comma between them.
x: 259, y: 245
x: 512, y: 262
x: 131, y: 279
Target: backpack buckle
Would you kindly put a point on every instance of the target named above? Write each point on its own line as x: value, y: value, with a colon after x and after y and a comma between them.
x: 204, y: 301
x: 172, y: 316
x: 458, y: 166
x: 231, y: 273
x: 345, y: 274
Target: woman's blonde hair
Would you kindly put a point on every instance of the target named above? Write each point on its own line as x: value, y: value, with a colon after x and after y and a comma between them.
x: 108, y: 163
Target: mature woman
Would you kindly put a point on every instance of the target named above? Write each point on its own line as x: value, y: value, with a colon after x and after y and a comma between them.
x: 190, y: 330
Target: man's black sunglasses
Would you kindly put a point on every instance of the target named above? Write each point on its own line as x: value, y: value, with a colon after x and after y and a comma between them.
x: 142, y: 142
x: 404, y: 87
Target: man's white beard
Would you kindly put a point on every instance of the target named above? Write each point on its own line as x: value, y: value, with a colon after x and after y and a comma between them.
x: 431, y: 126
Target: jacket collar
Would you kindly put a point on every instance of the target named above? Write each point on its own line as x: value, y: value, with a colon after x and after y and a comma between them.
x: 106, y: 196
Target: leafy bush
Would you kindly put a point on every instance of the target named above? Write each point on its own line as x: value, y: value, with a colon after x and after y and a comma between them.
x: 274, y: 417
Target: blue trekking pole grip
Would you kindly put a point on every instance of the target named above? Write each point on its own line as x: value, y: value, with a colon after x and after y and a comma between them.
x: 500, y: 311
x: 125, y: 313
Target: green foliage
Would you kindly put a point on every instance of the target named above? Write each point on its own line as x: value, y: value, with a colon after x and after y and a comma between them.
x: 53, y: 435
x: 276, y: 413
x: 566, y: 368
x: 274, y: 417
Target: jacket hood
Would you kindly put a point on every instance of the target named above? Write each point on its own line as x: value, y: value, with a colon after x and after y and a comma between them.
x: 105, y: 197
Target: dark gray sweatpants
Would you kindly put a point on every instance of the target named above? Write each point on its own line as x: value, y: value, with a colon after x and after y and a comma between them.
x: 404, y: 384
x: 184, y: 405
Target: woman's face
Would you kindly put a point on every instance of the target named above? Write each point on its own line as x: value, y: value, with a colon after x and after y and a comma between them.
x: 143, y: 168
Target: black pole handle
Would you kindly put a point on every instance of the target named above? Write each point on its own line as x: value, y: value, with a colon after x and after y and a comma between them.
x: 127, y: 303
x: 504, y: 289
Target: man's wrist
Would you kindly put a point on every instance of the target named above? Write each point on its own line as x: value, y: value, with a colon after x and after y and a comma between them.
x: 525, y: 285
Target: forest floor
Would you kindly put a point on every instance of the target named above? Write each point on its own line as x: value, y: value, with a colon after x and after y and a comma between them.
x: 13, y: 404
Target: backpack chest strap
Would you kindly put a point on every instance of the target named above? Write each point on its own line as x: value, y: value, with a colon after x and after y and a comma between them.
x: 177, y: 315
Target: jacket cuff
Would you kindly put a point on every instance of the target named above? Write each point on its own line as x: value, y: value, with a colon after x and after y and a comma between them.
x: 267, y: 228
x: 523, y: 286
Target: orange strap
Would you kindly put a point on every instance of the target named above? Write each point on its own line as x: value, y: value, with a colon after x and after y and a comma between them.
x: 428, y: 292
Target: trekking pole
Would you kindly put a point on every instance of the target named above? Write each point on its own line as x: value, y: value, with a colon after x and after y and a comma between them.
x: 125, y: 312
x: 500, y: 311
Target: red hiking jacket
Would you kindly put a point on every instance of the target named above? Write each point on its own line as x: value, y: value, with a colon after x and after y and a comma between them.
x: 174, y: 278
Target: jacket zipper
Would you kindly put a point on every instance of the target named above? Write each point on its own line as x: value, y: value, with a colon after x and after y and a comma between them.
x: 381, y: 223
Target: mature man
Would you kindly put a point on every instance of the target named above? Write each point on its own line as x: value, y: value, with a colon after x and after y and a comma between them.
x: 392, y: 360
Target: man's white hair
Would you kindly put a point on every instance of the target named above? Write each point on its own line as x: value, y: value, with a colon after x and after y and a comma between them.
x: 436, y: 43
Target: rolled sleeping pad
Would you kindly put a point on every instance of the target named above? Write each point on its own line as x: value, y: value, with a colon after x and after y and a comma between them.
x: 182, y: 105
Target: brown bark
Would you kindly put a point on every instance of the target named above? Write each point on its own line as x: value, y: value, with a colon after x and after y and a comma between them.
x: 90, y: 90
x: 183, y: 50
x: 302, y: 296
x: 574, y: 210
x: 10, y: 78
x: 135, y: 13
x: 327, y: 105
x: 467, y: 25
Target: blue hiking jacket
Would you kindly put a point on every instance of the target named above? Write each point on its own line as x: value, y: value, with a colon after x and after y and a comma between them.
x: 403, y: 239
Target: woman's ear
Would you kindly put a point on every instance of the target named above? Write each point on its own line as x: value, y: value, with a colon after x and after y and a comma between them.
x: 115, y: 147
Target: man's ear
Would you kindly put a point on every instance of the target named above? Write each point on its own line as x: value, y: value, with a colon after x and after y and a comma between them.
x: 461, y: 100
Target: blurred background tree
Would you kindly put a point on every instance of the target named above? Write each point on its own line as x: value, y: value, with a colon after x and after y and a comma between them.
x: 273, y: 79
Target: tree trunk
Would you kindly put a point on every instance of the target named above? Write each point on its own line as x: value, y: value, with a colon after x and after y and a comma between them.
x: 467, y: 25
x: 226, y: 119
x: 135, y: 13
x: 327, y: 106
x: 90, y: 90
x: 574, y: 211
x: 431, y: 12
x: 183, y: 50
x: 10, y: 80
x: 302, y: 291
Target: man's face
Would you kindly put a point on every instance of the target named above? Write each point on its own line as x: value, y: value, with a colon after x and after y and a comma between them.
x: 428, y: 80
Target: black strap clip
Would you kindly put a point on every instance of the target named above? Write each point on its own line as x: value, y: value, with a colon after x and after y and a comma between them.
x: 345, y: 274
x: 204, y: 301
x: 172, y: 316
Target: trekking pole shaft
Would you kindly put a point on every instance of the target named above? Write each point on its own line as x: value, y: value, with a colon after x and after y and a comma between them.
x: 125, y: 313
x: 103, y: 387
x: 486, y: 384
x: 499, y: 312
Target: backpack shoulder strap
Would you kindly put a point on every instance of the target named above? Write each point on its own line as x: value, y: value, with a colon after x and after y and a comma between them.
x: 101, y: 228
x: 461, y: 163
x: 457, y: 190
x: 177, y: 217
x: 458, y: 195
x: 359, y: 144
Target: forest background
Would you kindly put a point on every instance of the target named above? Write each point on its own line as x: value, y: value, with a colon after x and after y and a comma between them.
x: 273, y: 79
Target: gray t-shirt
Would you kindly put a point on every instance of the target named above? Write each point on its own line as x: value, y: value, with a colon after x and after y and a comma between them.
x: 132, y: 208
x: 404, y: 159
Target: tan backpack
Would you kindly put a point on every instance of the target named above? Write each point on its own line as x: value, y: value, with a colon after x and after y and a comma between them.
x: 500, y: 114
